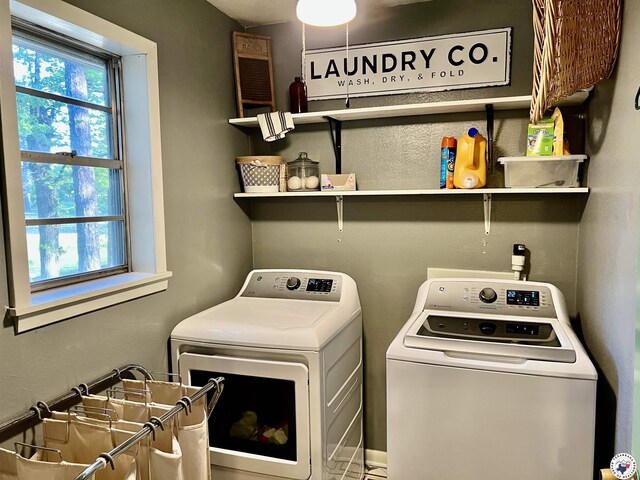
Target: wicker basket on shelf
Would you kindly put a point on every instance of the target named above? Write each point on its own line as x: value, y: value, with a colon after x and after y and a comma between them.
x: 576, y: 46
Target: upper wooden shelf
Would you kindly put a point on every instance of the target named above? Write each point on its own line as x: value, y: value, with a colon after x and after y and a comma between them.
x: 434, y: 108
x: 432, y: 191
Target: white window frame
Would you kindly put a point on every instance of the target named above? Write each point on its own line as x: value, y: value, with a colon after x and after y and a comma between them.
x: 144, y: 170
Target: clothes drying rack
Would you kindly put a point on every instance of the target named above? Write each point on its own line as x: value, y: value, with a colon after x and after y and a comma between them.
x: 35, y: 414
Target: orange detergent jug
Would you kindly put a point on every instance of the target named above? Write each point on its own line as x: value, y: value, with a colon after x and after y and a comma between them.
x: 471, y: 163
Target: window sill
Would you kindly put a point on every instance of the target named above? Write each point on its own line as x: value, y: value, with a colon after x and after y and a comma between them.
x: 70, y: 301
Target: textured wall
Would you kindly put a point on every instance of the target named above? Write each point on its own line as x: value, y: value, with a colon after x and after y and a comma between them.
x: 208, y: 234
x: 436, y: 17
x: 388, y: 243
x: 607, y: 270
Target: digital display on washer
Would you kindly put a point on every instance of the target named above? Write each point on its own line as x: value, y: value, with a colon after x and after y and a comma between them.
x: 319, y: 285
x: 528, y: 298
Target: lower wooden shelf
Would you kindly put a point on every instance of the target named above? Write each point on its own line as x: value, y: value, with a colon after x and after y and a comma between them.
x: 486, y: 193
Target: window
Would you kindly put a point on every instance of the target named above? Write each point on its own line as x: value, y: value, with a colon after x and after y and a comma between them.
x: 82, y: 207
x: 72, y: 173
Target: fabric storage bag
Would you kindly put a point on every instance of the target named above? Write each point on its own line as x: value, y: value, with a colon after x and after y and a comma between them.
x: 156, y: 459
x: 14, y: 466
x: 159, y: 458
x: 82, y: 442
x: 192, y: 429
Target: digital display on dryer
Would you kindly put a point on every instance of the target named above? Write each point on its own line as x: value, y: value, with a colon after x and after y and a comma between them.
x: 319, y: 285
x: 527, y: 298
x: 531, y: 330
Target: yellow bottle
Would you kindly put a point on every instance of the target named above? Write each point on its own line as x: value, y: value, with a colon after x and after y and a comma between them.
x: 471, y: 162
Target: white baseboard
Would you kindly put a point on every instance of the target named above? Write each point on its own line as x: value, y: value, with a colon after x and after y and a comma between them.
x: 375, y: 458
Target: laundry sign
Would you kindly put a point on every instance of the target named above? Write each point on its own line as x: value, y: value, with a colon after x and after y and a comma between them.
x: 429, y: 64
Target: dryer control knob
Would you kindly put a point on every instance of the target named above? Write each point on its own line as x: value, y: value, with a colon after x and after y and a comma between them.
x: 293, y: 283
x: 488, y: 295
x: 487, y: 328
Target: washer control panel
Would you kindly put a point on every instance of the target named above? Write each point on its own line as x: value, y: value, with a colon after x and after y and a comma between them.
x: 509, y: 331
x: 485, y: 296
x: 294, y: 285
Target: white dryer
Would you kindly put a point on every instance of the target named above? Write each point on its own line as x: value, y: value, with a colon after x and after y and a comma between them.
x: 290, y: 348
x: 487, y: 380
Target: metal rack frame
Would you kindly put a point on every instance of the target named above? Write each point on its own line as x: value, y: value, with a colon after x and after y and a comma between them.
x: 35, y: 414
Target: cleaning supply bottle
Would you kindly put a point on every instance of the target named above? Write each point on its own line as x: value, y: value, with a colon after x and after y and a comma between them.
x: 471, y: 162
x: 447, y: 161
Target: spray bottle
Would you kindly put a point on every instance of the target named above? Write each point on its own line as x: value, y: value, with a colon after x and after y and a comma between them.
x: 447, y: 161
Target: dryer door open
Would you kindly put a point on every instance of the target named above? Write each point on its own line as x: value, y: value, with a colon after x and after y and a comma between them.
x: 261, y: 422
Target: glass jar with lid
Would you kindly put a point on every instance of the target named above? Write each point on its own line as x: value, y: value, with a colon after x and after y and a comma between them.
x: 303, y: 174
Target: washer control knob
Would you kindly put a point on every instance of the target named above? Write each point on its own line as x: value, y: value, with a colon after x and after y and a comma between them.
x: 487, y: 328
x: 488, y: 295
x: 293, y: 283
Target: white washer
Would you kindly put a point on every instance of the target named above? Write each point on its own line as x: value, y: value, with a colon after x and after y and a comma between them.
x: 290, y: 348
x: 487, y: 380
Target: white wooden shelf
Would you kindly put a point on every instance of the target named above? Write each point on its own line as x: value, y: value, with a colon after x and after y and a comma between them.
x: 374, y: 193
x: 487, y: 193
x: 433, y: 108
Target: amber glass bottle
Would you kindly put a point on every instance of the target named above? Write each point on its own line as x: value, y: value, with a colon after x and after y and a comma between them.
x: 298, y: 96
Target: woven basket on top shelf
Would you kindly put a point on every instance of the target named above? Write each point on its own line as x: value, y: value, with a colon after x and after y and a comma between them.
x: 576, y: 46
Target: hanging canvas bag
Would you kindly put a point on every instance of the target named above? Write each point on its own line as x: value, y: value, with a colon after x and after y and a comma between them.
x: 14, y: 466
x: 191, y: 426
x: 83, y: 442
x: 159, y: 458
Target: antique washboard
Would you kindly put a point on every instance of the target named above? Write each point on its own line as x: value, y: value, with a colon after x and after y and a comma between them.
x: 253, y: 71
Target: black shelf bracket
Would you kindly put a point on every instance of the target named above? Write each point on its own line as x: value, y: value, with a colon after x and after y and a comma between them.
x: 335, y: 128
x: 489, y: 109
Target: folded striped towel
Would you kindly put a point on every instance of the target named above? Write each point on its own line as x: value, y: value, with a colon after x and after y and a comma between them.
x: 274, y: 125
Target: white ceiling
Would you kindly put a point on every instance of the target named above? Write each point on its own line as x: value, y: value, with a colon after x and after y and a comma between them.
x: 250, y: 13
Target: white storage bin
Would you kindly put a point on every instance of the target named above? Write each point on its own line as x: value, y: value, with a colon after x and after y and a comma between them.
x: 542, y: 172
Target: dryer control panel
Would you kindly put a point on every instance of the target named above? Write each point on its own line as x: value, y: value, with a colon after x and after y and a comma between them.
x: 300, y: 285
x: 485, y: 296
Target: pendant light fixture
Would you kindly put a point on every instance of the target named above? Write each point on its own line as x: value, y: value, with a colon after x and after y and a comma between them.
x: 326, y: 13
